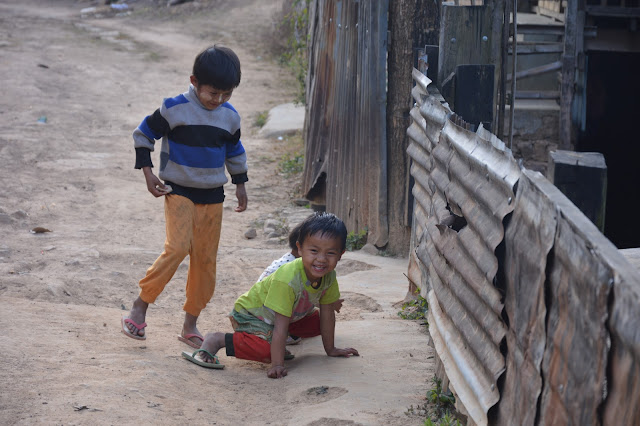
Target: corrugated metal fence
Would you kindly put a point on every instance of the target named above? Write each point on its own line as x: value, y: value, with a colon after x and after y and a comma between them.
x: 345, y: 133
x: 533, y: 312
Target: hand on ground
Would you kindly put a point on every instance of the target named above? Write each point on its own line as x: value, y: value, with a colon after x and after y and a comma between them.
x: 277, y: 372
x: 346, y: 352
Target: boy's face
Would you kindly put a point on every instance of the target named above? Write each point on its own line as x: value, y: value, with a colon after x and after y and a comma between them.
x: 210, y: 97
x: 320, y: 255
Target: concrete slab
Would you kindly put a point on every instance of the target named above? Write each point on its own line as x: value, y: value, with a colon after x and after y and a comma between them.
x: 283, y: 120
x: 395, y: 362
x: 632, y: 255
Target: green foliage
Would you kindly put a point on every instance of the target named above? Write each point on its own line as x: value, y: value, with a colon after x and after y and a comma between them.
x: 356, y: 240
x: 292, y: 164
x: 436, y: 396
x: 443, y: 404
x: 295, y: 55
x: 261, y: 119
x: 415, y: 309
x: 439, y: 409
x: 446, y: 420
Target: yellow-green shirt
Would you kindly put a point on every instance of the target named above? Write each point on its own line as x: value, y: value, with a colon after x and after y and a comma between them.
x: 288, y: 292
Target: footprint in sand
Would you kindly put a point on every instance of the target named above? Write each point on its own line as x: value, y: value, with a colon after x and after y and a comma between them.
x: 320, y: 394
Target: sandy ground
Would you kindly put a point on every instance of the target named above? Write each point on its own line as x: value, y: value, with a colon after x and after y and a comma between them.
x: 63, y: 359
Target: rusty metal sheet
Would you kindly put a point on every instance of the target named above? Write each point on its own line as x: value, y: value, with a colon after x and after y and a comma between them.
x: 528, y: 241
x: 422, y: 81
x: 622, y: 406
x: 345, y: 133
x: 468, y: 381
x: 460, y: 299
x: 470, y: 175
x: 577, y: 343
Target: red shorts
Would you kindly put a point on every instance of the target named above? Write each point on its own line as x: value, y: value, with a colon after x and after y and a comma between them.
x: 249, y: 346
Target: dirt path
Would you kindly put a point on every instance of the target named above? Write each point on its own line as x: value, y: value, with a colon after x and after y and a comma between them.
x: 63, y: 359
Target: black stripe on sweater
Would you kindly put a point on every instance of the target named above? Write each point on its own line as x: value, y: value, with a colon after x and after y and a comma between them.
x: 203, y: 136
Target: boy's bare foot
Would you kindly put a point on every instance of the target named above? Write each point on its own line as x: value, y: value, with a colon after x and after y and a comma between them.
x: 190, y: 332
x: 212, y: 343
x: 137, y: 314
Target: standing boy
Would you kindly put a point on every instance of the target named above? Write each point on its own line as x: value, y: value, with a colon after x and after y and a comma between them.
x: 285, y: 301
x: 200, y: 133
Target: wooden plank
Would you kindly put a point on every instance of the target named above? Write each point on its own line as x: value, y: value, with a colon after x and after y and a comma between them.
x: 540, y: 29
x: 567, y: 133
x: 461, y: 42
x: 612, y: 11
x: 537, y: 94
x: 574, y: 366
x: 542, y: 69
x: 535, y: 48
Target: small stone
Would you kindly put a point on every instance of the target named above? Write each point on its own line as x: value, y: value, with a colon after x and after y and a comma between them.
x: 19, y: 214
x: 250, y: 234
x: 272, y: 223
x: 370, y: 249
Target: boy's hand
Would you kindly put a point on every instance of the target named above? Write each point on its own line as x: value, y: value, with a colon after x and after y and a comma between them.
x: 337, y: 305
x: 241, y: 195
x: 347, y: 352
x: 277, y: 372
x: 154, y: 185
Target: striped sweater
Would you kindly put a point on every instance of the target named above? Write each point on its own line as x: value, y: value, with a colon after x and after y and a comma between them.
x: 197, y: 144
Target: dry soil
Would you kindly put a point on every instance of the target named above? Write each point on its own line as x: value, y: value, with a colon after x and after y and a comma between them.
x: 74, y: 86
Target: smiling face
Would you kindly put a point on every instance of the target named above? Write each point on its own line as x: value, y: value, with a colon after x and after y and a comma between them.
x: 209, y: 96
x: 320, y: 255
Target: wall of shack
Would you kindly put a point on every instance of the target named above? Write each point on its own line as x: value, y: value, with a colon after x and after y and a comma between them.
x: 532, y: 311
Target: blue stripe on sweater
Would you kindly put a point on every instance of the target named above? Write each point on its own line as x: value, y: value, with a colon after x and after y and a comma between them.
x: 229, y: 106
x: 144, y: 128
x: 196, y: 156
x: 235, y: 150
x: 171, y: 102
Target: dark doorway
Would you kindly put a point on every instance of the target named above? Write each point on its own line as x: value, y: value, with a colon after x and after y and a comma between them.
x: 613, y: 128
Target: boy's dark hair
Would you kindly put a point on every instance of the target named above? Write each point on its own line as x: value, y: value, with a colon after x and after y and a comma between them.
x: 326, y: 224
x: 217, y: 66
x: 293, y: 236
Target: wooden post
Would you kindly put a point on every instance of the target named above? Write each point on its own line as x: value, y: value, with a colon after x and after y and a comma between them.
x: 502, y: 72
x: 582, y: 177
x: 567, y: 86
x: 412, y: 23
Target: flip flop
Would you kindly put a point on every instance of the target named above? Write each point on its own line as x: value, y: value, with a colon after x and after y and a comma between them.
x: 187, y: 339
x: 293, y: 340
x: 127, y: 332
x: 288, y: 355
x: 198, y: 361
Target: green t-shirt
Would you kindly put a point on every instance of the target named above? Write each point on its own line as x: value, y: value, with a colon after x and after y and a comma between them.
x: 288, y: 292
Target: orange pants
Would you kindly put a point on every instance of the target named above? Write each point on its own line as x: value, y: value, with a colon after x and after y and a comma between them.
x: 194, y: 230
x: 254, y: 348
